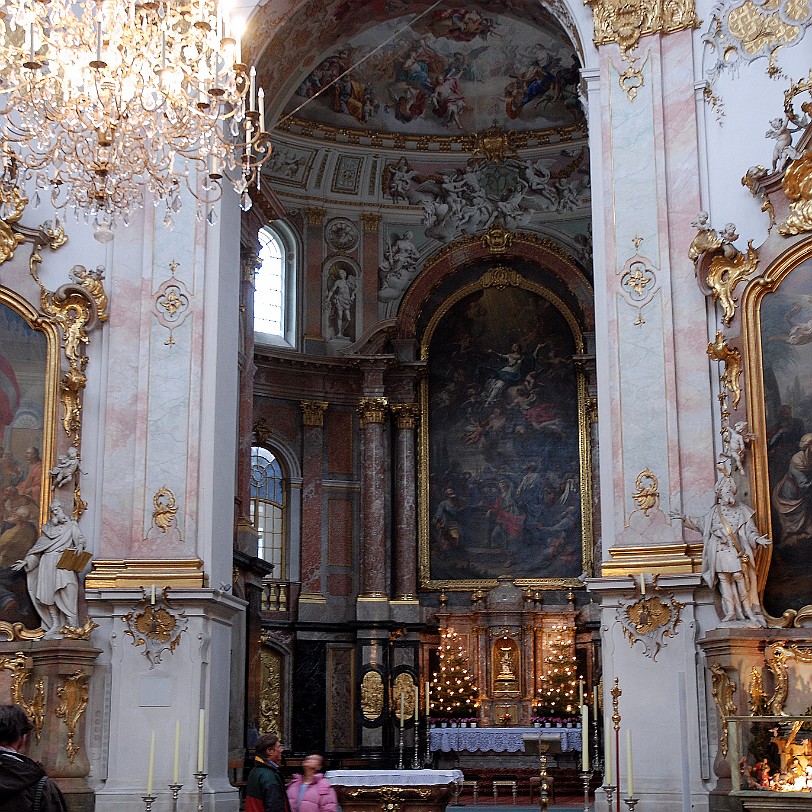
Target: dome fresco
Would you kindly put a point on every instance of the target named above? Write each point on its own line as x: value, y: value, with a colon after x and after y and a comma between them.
x: 452, y: 71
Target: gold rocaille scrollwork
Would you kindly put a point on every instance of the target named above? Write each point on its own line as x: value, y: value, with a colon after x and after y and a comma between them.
x: 74, y: 693
x: 647, y: 495
x: 19, y: 665
x: 9, y: 238
x: 625, y: 21
x: 724, y: 692
x: 719, y: 350
x: 726, y: 272
x: 497, y: 239
x: 313, y: 412
x: 270, y: 695
x: 371, y: 696
x: 797, y: 184
x: 165, y: 509
x: 756, y: 698
x: 372, y: 410
x: 391, y: 799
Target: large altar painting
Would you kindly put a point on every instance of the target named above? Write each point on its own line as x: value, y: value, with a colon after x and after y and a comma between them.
x: 504, y: 441
x: 23, y: 365
x: 786, y: 348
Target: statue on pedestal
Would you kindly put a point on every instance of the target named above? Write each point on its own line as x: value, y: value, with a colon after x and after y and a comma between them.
x: 54, y: 589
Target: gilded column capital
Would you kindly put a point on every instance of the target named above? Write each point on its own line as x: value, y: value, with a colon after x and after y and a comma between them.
x: 625, y: 21
x: 372, y: 410
x: 315, y: 215
x: 249, y: 265
x: 406, y: 414
x: 371, y: 221
x: 313, y: 412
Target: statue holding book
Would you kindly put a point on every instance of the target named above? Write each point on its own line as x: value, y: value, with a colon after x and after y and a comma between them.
x: 51, y: 568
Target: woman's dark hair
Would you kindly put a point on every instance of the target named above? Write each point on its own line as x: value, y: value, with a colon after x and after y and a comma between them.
x: 14, y: 724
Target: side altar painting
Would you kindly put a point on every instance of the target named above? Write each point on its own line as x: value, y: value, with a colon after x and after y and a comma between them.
x: 23, y: 367
x: 504, y: 440
x: 786, y: 349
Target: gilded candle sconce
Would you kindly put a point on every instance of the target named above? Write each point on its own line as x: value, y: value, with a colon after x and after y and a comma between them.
x: 156, y: 625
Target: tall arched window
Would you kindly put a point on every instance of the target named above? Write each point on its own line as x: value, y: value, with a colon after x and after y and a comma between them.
x: 275, y: 287
x: 268, y: 508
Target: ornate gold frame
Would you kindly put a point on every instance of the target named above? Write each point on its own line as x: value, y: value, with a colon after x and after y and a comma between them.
x: 501, y: 276
x: 769, y: 282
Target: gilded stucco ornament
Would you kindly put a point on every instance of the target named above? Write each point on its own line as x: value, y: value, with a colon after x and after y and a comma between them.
x: 74, y: 694
x: 797, y: 180
x: 724, y: 693
x: 372, y: 696
x: 171, y: 303
x: 15, y: 205
x: 719, y: 350
x: 638, y: 281
x: 647, y: 495
x: 625, y: 21
x: 20, y: 667
x: 721, y: 264
x: 649, y: 620
x: 156, y: 625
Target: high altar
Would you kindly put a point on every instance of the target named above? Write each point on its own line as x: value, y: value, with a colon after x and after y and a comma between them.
x: 507, y: 633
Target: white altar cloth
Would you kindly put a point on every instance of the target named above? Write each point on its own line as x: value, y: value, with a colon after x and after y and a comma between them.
x: 392, y: 778
x: 498, y: 739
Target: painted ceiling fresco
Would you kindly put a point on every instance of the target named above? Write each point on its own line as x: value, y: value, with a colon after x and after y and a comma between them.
x: 451, y: 71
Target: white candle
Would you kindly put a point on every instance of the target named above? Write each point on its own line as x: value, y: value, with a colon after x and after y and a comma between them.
x: 595, y: 704
x: 261, y: 103
x: 175, y: 769
x: 201, y: 738
x: 151, y: 768
x: 402, y: 711
x: 152, y: 595
x: 629, y: 770
x: 98, y: 40
x: 607, y: 753
x: 584, y: 739
x: 416, y: 706
x: 580, y: 692
x: 642, y: 584
x: 428, y: 701
x: 252, y: 78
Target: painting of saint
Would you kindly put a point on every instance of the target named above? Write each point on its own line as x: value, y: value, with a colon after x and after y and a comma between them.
x: 23, y: 356
x: 786, y: 345
x: 504, y: 475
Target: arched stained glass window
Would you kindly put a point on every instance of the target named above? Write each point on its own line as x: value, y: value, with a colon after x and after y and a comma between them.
x: 268, y: 508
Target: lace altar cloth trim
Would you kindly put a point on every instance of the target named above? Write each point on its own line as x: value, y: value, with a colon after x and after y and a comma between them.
x: 498, y: 739
x: 392, y: 778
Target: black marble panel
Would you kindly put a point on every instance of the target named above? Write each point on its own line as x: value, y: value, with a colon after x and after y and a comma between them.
x: 309, y: 696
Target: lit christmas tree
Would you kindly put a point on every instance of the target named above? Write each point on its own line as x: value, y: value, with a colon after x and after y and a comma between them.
x: 453, y: 693
x: 558, y: 693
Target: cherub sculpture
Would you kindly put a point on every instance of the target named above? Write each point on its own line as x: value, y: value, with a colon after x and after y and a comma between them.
x: 65, y: 468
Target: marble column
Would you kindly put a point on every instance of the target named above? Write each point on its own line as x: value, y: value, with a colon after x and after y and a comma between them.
x: 405, y: 503
x: 312, y: 508
x: 314, y: 255
x: 371, y: 260
x: 374, y: 579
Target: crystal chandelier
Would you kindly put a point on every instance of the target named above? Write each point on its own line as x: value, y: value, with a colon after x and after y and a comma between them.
x: 100, y: 101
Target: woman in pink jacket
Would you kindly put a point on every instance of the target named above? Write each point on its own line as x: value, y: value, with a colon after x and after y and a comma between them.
x: 312, y: 792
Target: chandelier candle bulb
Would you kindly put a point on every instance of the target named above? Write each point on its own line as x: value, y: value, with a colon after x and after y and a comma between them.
x: 261, y: 102
x: 252, y: 74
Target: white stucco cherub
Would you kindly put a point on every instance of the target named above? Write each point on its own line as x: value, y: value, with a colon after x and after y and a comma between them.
x: 65, y: 467
x: 738, y: 440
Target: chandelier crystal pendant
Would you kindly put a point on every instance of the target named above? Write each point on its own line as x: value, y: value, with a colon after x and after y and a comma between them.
x: 102, y: 100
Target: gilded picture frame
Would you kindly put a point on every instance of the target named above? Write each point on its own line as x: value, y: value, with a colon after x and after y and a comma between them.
x: 504, y: 472
x: 777, y: 341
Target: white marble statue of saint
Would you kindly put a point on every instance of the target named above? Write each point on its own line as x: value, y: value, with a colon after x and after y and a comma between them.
x: 54, y: 591
x: 729, y: 555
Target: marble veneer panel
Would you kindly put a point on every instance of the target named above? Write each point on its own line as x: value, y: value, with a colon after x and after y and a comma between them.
x: 309, y: 692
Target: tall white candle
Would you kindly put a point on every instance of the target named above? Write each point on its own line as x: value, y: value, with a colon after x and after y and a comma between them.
x: 152, y: 595
x: 416, y: 705
x: 402, y: 704
x: 580, y: 692
x: 201, y: 739
x: 428, y: 700
x: 595, y: 704
x: 608, y: 753
x: 642, y: 584
x: 629, y: 770
x: 584, y: 739
x: 261, y: 103
x: 151, y: 767
x: 176, y: 767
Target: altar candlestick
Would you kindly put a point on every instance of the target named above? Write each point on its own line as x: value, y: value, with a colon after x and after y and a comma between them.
x: 151, y: 768
x: 607, y: 754
x: 629, y: 770
x: 175, y: 769
x: 584, y: 739
x: 201, y: 738
x: 402, y: 710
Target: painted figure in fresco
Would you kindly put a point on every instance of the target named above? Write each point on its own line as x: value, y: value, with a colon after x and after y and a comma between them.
x: 729, y: 555
x: 792, y: 497
x: 340, y: 297
x: 448, y: 101
x: 54, y: 591
x: 32, y: 483
x: 447, y: 519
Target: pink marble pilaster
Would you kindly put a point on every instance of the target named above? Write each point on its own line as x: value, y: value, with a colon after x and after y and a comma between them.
x: 405, y: 502
x: 373, y: 528
x: 312, y: 460
x: 314, y: 241
x: 371, y: 260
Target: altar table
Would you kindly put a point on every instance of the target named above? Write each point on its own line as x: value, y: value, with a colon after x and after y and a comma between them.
x: 497, y: 739
x: 394, y: 790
